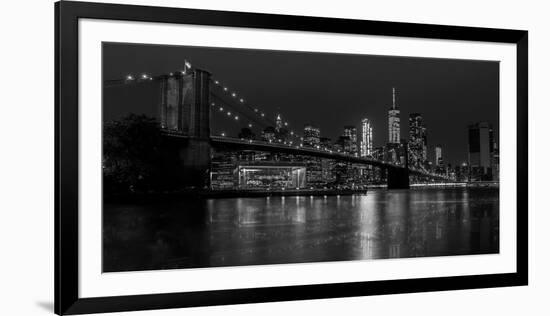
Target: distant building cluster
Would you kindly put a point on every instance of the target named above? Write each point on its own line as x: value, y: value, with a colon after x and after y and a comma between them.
x: 185, y: 108
x: 248, y: 169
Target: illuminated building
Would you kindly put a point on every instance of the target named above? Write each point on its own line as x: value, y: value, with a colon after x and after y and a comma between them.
x: 344, y: 144
x: 312, y: 136
x: 276, y: 175
x: 325, y: 143
x: 268, y: 134
x: 378, y: 153
x: 438, y: 156
x: 417, y: 140
x: 351, y: 133
x: 314, y: 171
x: 496, y: 163
x: 222, y: 170
x: 394, y: 134
x: 366, y: 138
x: 278, y: 123
x: 281, y: 133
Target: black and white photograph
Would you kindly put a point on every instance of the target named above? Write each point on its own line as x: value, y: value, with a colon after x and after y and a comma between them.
x: 220, y: 157
x: 274, y: 158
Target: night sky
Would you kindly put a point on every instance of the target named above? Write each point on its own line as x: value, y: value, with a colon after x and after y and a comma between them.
x: 324, y: 89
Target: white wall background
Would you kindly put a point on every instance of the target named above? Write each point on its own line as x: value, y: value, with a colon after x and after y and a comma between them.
x: 26, y: 158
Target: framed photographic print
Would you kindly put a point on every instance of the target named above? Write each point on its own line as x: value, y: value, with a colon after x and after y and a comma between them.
x: 208, y: 157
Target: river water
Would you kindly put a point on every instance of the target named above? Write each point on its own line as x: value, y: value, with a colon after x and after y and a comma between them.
x: 273, y: 230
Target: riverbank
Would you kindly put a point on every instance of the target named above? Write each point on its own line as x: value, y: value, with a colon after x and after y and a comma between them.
x: 280, y: 192
x: 213, y: 194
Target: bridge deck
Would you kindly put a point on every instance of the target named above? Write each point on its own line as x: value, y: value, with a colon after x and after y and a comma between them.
x: 298, y: 150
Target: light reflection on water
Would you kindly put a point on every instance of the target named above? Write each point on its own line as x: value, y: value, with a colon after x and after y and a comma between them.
x: 270, y: 230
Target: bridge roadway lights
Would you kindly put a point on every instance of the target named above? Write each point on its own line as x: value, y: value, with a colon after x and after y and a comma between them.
x: 194, y: 155
x: 398, y: 178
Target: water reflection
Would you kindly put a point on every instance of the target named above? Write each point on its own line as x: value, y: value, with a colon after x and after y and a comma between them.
x: 250, y: 231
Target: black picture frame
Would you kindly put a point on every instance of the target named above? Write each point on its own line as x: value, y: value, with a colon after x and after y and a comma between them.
x: 67, y: 15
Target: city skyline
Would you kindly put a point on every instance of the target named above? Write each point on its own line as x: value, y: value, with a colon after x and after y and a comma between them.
x: 372, y: 100
x: 234, y: 168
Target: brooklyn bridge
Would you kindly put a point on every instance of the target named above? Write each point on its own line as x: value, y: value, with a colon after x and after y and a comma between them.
x: 189, y: 98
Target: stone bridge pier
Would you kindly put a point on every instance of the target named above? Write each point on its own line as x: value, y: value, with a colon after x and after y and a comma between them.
x: 185, y: 111
x: 398, y: 178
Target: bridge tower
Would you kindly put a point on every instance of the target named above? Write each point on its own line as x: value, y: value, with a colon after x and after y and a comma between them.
x: 398, y: 178
x: 185, y: 111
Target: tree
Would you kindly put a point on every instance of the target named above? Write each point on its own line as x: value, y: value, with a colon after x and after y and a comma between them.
x: 131, y: 155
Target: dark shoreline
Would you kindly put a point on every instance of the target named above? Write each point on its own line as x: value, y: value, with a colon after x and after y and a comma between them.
x: 214, y: 194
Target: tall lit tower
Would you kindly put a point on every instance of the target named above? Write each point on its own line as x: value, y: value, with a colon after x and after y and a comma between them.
x: 278, y: 123
x: 366, y: 138
x: 350, y: 132
x: 312, y: 136
x: 417, y: 140
x: 438, y: 156
x: 394, y: 134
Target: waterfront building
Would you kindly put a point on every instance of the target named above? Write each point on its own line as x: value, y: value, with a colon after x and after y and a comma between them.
x: 341, y: 172
x: 326, y: 171
x: 222, y: 169
x: 314, y: 172
x: 271, y: 175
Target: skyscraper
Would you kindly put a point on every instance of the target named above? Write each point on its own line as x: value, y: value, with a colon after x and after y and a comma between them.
x: 417, y: 140
x: 394, y: 136
x: 350, y: 131
x: 366, y: 138
x: 480, y: 151
x: 438, y: 156
x: 278, y: 123
x: 281, y: 133
x: 312, y: 136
